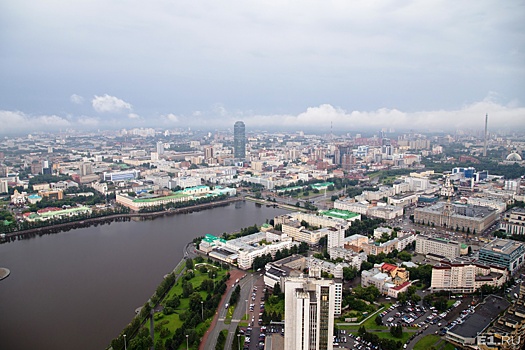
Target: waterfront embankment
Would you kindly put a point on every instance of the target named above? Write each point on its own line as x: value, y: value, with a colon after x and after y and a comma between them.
x: 102, y: 220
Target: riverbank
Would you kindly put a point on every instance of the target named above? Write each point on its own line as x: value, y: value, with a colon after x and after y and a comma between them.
x: 4, y: 273
x: 26, y: 234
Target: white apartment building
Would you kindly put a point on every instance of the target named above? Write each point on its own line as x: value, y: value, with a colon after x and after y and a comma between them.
x: 417, y: 183
x: 513, y: 222
x: 437, y: 246
x: 309, y: 313
x: 466, y: 277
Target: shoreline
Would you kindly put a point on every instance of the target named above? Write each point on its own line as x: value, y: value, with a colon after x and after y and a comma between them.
x: 26, y: 234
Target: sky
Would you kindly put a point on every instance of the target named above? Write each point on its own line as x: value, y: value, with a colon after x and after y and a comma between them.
x: 275, y: 64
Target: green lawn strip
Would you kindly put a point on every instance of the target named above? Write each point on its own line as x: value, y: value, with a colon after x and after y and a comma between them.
x: 450, y: 303
x: 426, y: 342
x: 387, y: 335
x: 243, y: 324
x: 229, y: 315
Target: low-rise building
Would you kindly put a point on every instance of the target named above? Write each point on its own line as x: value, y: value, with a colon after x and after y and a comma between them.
x: 386, y: 277
x: 513, y: 221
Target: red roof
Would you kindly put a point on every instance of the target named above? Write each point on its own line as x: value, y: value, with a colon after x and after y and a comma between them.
x: 401, y: 286
x: 45, y: 210
x: 388, y: 267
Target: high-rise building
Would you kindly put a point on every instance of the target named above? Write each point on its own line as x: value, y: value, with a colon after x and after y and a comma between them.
x: 86, y: 168
x: 160, y: 148
x: 239, y: 140
x: 309, y: 313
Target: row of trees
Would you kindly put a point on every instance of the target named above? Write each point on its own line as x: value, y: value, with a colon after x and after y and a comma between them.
x: 385, y: 344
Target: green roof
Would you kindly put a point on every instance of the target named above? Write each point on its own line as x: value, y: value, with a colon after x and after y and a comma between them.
x: 172, y: 196
x: 338, y: 213
x: 322, y: 184
x: 266, y: 225
x: 7, y: 222
x: 464, y: 246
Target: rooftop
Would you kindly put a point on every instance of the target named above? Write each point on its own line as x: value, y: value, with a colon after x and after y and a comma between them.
x: 340, y: 214
x: 154, y: 199
x: 479, y: 320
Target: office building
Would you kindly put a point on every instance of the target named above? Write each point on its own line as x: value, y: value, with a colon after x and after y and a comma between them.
x: 513, y: 221
x: 437, y: 247
x: 239, y: 140
x: 466, y: 277
x: 309, y: 313
x: 466, y: 218
x: 503, y: 252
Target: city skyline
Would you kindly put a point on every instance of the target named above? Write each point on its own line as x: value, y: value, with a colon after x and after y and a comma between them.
x: 360, y: 66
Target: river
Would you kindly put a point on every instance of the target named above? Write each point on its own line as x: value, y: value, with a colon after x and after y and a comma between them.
x: 78, y: 289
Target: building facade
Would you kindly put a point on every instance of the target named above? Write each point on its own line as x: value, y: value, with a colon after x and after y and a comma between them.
x: 503, y: 252
x: 513, y: 221
x: 437, y: 246
x: 466, y: 277
x: 309, y: 313
x: 467, y: 218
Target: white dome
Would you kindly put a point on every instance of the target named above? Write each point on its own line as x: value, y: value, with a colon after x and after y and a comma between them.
x: 514, y: 157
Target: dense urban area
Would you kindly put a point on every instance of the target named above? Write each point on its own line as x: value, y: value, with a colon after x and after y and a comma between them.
x: 391, y: 240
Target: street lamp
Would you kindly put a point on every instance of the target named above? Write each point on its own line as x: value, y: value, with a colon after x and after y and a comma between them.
x: 187, y: 346
x: 125, y: 346
x: 239, y: 340
x: 246, y: 309
x: 202, y: 310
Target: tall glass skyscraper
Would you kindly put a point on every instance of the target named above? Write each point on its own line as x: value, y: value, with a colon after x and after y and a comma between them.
x: 239, y: 140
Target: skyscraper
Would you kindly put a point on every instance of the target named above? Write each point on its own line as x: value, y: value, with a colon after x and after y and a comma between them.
x: 309, y: 313
x: 239, y: 140
x: 160, y: 148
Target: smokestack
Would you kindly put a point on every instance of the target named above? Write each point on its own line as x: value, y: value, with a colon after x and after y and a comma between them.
x: 486, y: 135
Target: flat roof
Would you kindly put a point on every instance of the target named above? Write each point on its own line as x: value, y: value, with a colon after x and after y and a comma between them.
x: 64, y: 211
x: 172, y: 196
x: 338, y: 213
x: 484, y: 314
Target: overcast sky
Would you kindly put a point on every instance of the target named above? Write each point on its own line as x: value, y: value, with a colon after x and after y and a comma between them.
x: 274, y: 64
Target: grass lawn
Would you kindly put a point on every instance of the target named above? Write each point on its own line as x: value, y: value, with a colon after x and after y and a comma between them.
x: 172, y: 322
x: 426, y: 342
x: 450, y: 303
x: 387, y: 335
x: 278, y: 308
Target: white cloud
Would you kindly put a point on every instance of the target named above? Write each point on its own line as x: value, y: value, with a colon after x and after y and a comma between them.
x: 110, y: 104
x: 170, y: 118
x: 16, y: 121
x: 76, y: 99
x: 133, y: 116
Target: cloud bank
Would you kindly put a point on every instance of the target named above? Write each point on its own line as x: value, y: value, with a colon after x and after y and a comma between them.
x: 318, y: 118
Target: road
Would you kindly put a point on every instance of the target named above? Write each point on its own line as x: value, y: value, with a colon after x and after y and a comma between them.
x: 246, y: 284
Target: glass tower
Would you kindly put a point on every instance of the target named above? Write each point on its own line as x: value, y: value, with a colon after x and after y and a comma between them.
x: 239, y: 140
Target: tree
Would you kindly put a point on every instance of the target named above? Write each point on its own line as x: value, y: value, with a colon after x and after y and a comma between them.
x: 404, y: 255
x: 189, y: 264
x: 402, y: 298
x: 379, y: 320
x: 349, y: 273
